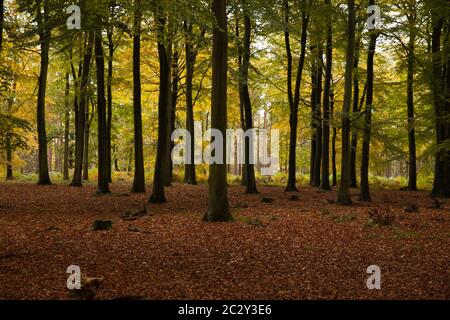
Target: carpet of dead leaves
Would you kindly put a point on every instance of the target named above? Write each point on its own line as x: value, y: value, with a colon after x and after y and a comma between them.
x: 306, y: 248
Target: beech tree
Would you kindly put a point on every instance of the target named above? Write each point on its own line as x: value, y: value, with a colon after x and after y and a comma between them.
x: 218, y: 207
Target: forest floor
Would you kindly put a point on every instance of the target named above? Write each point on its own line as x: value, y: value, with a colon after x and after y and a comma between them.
x: 306, y: 248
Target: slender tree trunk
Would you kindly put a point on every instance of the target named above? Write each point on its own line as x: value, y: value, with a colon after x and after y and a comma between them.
x: 116, y: 161
x: 44, y: 38
x: 354, y: 132
x: 189, y: 168
x: 218, y: 207
x: 440, y: 185
x: 103, y: 181
x: 333, y: 142
x: 66, y: 128
x: 344, y: 187
x: 294, y: 97
x: 241, y: 99
x: 158, y: 195
x: 174, y: 100
x: 412, y: 166
x: 364, y: 188
x: 109, y: 104
x: 87, y: 131
x: 139, y: 175
x: 248, y: 117
x: 9, y: 168
x: 80, y: 118
x: 318, y: 117
x: 325, y: 183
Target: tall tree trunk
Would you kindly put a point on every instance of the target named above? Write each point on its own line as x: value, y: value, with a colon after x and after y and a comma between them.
x: 103, y: 181
x: 294, y: 97
x: 440, y: 186
x: 354, y: 132
x: 318, y: 116
x: 80, y: 118
x: 109, y: 104
x: 66, y: 128
x: 364, y: 188
x: 412, y: 166
x: 189, y: 168
x: 325, y: 183
x: 250, y: 181
x: 8, y: 147
x: 87, y: 132
x: 333, y: 142
x: 174, y: 100
x: 344, y: 187
x: 158, y: 195
x: 116, y: 161
x: 139, y: 175
x: 44, y: 39
x: 218, y: 207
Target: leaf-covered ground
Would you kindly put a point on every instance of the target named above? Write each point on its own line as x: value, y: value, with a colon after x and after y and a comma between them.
x: 305, y: 248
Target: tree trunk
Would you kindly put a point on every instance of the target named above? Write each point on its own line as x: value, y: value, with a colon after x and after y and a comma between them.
x: 250, y: 181
x: 218, y: 207
x: 9, y: 168
x: 103, y: 181
x: 440, y: 186
x: 333, y: 142
x: 66, y: 128
x: 44, y: 38
x: 354, y: 132
x: 318, y: 116
x: 80, y: 118
x: 158, y: 195
x: 412, y: 166
x: 325, y: 183
x: 294, y: 97
x: 364, y: 188
x: 189, y: 169
x: 174, y: 100
x: 87, y: 131
x: 116, y: 161
x: 109, y: 104
x: 344, y: 187
x: 139, y: 175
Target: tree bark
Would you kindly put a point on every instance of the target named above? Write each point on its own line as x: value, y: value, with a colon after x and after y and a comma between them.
x: 109, y: 104
x: 325, y: 183
x: 218, y: 207
x: 44, y: 39
x: 344, y: 187
x: 158, y: 195
x: 103, y: 181
x: 318, y: 115
x: 440, y: 186
x: 294, y: 96
x: 80, y: 118
x: 364, y: 188
x: 412, y: 165
x: 250, y: 181
x: 354, y: 132
x: 139, y: 175
x: 190, y: 52
x: 66, y: 128
x: 333, y: 142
